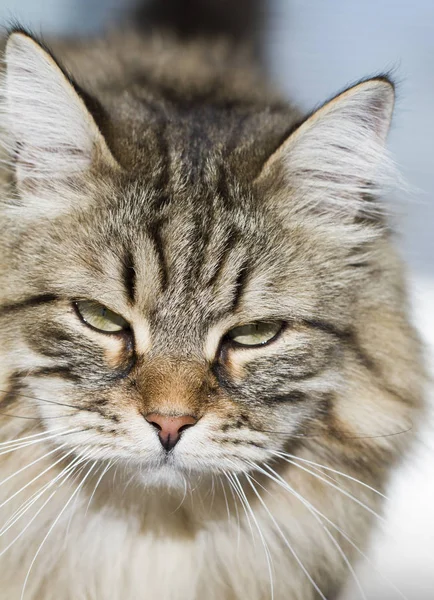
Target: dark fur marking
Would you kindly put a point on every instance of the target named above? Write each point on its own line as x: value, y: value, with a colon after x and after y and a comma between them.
x: 371, y: 366
x: 14, y: 387
x: 129, y: 276
x: 292, y: 397
x: 223, y: 259
x: 32, y: 302
x: 255, y: 444
x: 327, y: 328
x: 101, y: 402
x: 59, y: 371
x: 240, y: 285
x: 158, y: 245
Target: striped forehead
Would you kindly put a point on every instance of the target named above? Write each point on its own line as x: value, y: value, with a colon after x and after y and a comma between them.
x: 187, y: 273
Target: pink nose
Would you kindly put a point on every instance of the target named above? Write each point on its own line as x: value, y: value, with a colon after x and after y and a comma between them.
x: 170, y: 428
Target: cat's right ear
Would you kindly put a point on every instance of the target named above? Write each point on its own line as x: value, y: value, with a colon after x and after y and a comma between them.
x: 50, y: 133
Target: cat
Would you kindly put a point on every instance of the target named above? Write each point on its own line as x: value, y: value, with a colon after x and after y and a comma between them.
x: 207, y: 369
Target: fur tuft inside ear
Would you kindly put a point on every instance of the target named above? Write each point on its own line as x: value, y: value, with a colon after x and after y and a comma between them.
x: 50, y: 133
x: 336, y: 163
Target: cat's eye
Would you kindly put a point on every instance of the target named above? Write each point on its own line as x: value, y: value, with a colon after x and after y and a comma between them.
x: 100, y: 317
x: 255, y: 334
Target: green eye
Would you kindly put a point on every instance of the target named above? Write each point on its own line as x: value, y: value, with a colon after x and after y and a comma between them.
x: 100, y: 317
x: 255, y: 334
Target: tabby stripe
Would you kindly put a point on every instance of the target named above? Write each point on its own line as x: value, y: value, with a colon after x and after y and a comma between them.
x: 291, y: 397
x: 157, y: 243
x: 223, y: 259
x: 31, y: 302
x: 364, y: 359
x: 57, y: 371
x: 14, y: 387
x: 240, y: 285
x: 327, y: 328
x: 129, y: 276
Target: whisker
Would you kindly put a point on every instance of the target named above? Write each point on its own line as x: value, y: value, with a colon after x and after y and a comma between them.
x: 53, y: 526
x: 20, y: 439
x: 262, y: 538
x: 30, y: 464
x: 336, y: 487
x: 310, y: 462
x: 36, y: 495
x: 212, y: 492
x: 97, y: 484
x: 72, y: 511
x: 237, y: 513
x: 282, y: 535
x: 343, y: 436
x: 32, y: 481
x: 3, y: 414
x: 39, y: 441
x: 39, y: 399
x: 22, y: 532
x: 226, y: 498
x: 280, y: 481
x: 183, y: 497
x: 235, y: 489
x: 328, y: 533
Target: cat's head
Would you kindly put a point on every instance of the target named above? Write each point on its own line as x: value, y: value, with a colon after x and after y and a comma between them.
x: 201, y: 327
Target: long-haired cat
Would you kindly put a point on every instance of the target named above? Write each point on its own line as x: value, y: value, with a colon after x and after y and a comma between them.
x: 207, y: 368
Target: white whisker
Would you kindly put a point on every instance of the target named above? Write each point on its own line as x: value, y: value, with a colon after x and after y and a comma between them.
x: 293, y: 552
x: 52, y: 527
x: 183, y: 497
x: 22, y: 532
x: 280, y: 481
x: 29, y: 483
x: 310, y: 462
x: 97, y: 484
x: 64, y: 473
x: 226, y: 499
x: 236, y: 511
x: 336, y: 487
x: 28, y: 437
x: 36, y: 495
x: 31, y: 464
x: 235, y: 489
x: 327, y: 531
x: 33, y: 480
x: 262, y: 538
x: 40, y: 441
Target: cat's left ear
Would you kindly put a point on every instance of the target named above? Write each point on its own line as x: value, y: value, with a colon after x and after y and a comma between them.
x: 335, y: 163
x: 50, y: 133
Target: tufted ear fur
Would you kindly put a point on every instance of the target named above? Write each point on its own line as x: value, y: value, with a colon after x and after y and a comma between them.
x: 335, y: 163
x: 50, y: 133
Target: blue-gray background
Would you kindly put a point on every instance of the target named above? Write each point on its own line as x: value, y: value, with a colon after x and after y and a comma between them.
x: 316, y: 48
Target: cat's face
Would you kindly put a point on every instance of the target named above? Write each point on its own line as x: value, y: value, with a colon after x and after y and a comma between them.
x: 190, y: 330
x: 223, y: 321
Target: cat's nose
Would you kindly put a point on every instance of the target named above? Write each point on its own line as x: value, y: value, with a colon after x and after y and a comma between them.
x: 170, y: 428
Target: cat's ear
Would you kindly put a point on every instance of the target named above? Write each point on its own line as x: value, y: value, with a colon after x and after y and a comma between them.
x: 50, y: 133
x: 335, y: 162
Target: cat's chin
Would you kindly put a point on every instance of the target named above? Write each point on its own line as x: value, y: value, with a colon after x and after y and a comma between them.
x: 167, y: 476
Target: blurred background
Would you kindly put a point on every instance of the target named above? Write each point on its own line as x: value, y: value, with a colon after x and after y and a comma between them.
x: 317, y: 47
x: 314, y: 49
